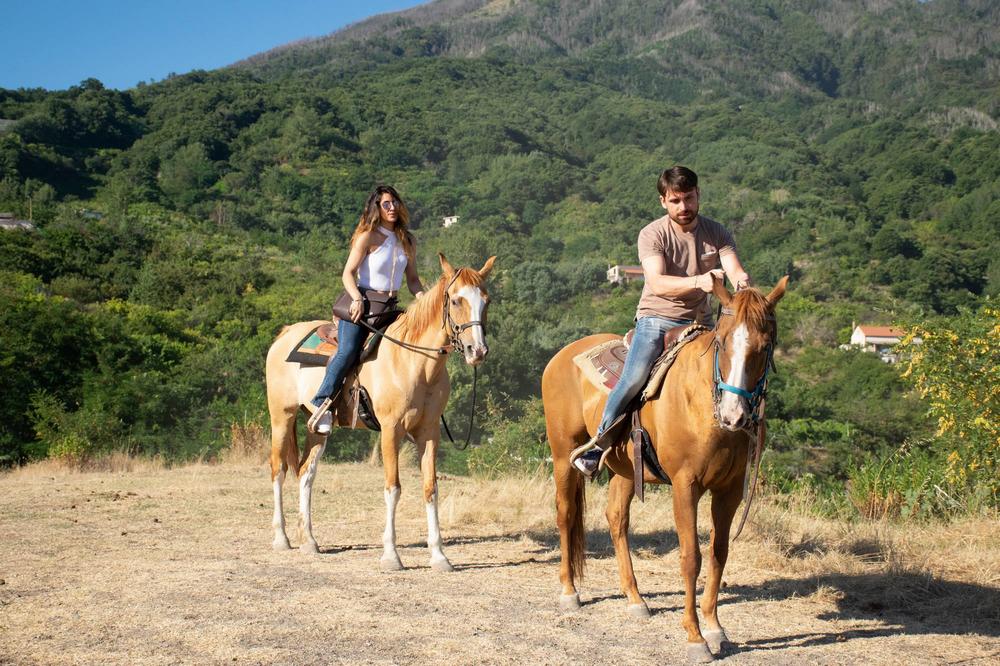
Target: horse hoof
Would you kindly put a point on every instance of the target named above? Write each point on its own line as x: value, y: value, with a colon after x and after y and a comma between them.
x: 281, y: 544
x: 309, y: 548
x: 640, y: 610
x: 442, y: 565
x: 569, y: 602
x: 717, y: 641
x: 698, y: 653
x: 390, y: 563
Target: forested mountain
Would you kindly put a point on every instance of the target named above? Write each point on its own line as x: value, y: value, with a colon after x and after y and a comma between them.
x: 880, y: 50
x: 180, y: 224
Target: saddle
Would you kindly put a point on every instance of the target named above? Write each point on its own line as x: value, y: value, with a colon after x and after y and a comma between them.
x: 603, y: 364
x: 320, y: 344
x: 353, y: 401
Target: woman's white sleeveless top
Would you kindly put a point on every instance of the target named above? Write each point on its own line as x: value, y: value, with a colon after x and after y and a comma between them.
x: 383, y: 269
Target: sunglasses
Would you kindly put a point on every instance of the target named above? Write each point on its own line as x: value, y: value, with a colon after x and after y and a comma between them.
x: 389, y: 205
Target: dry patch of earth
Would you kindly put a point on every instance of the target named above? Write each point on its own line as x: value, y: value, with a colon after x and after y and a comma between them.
x: 169, y: 566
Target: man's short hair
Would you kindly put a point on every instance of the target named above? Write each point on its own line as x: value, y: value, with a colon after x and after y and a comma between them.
x: 677, y: 179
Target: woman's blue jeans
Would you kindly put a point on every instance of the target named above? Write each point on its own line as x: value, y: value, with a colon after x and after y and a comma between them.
x: 350, y: 340
x: 647, y: 345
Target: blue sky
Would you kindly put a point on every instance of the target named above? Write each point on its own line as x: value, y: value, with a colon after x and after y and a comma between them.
x: 55, y: 44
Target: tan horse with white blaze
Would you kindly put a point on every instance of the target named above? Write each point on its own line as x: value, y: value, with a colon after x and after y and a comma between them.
x: 695, y: 424
x: 409, y: 387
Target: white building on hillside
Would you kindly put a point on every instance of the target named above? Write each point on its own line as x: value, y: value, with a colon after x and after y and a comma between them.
x: 879, y: 340
x: 624, y: 274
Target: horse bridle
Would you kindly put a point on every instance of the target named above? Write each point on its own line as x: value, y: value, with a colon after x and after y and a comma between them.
x: 754, y: 398
x: 448, y: 322
x: 454, y: 328
x: 756, y: 427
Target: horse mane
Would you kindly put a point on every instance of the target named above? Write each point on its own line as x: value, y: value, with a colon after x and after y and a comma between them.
x: 426, y: 310
x: 751, y: 308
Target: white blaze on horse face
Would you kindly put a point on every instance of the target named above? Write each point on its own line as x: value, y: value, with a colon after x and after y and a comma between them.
x: 477, y: 350
x: 732, y: 410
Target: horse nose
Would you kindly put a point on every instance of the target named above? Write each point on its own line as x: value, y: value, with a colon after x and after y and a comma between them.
x: 474, y: 354
x: 732, y: 417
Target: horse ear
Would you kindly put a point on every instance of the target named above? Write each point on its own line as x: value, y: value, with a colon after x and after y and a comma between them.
x: 720, y: 291
x: 777, y: 292
x: 487, y: 267
x: 445, y: 266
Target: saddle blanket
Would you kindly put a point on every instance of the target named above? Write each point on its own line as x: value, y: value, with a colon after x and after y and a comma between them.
x: 317, y: 347
x: 603, y: 364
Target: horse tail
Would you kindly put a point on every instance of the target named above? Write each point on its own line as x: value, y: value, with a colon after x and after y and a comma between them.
x: 577, y: 533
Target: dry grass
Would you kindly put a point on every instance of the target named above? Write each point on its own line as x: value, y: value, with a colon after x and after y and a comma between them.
x: 249, y: 444
x: 115, y: 462
x: 141, y: 563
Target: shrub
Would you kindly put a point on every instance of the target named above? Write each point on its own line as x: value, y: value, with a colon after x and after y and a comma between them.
x: 517, y: 446
x: 75, y: 437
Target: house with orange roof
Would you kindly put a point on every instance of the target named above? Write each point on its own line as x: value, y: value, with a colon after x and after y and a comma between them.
x: 624, y: 274
x: 878, y: 339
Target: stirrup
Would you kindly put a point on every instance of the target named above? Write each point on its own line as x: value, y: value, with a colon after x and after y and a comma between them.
x: 582, y: 449
x: 318, y: 414
x: 604, y: 459
x: 603, y: 437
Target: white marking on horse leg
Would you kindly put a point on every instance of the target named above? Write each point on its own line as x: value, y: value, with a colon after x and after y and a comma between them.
x: 434, y: 543
x: 731, y: 406
x: 278, y: 522
x: 390, y: 558
x: 308, y: 544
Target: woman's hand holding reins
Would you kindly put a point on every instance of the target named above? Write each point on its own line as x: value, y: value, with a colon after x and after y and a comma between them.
x: 357, y: 308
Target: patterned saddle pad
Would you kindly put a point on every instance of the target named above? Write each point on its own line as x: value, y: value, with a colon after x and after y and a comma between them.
x: 603, y: 364
x: 317, y: 347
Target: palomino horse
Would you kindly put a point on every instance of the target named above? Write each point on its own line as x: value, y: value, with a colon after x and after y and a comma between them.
x: 699, y: 450
x: 409, y: 386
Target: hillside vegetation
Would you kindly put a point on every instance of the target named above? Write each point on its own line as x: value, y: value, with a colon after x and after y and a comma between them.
x: 851, y: 145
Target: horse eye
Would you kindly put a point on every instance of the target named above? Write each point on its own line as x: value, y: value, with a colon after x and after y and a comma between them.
x: 454, y: 302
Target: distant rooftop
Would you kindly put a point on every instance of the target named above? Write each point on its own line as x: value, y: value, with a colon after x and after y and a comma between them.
x: 882, y: 331
x: 8, y: 222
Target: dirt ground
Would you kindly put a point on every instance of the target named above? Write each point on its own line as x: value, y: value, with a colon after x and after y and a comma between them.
x: 174, y: 566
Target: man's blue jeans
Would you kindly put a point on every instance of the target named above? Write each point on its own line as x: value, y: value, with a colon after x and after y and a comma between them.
x: 350, y: 340
x: 647, y: 345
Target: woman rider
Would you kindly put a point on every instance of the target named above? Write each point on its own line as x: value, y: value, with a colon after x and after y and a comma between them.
x: 382, y: 251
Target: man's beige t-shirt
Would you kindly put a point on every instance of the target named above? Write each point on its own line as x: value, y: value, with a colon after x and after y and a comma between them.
x: 685, y: 253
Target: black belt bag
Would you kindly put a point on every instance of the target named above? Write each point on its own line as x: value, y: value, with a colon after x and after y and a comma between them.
x: 376, y: 307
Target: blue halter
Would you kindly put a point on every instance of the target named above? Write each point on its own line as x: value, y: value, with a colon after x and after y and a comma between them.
x: 754, y: 397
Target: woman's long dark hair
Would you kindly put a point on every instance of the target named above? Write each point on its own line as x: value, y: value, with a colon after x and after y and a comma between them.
x: 370, y: 218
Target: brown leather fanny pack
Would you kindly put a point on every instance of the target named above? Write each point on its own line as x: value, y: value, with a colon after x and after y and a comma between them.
x: 375, y: 304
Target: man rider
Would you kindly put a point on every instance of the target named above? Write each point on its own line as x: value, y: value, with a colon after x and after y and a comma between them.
x: 680, y: 253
